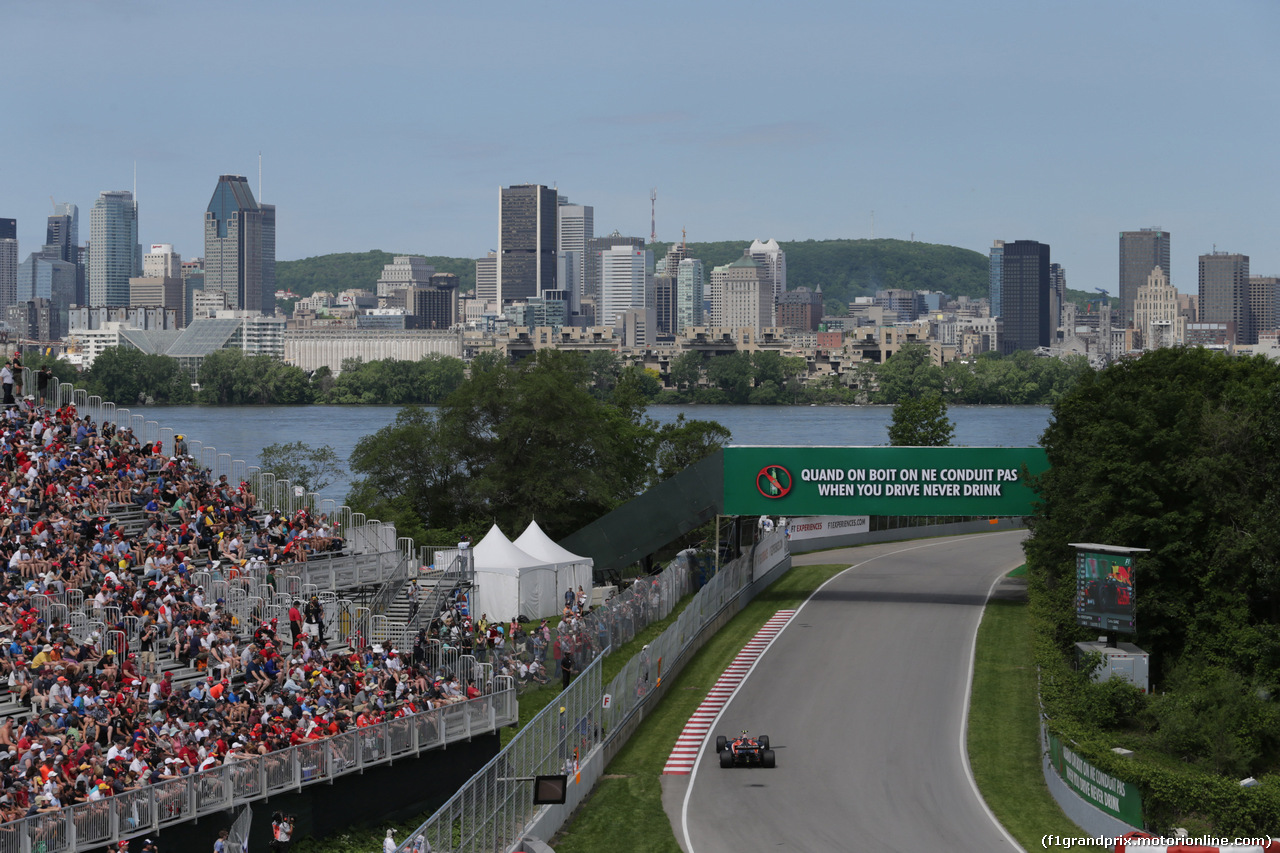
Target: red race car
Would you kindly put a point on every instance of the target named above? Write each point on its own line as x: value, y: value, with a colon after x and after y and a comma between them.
x: 744, y: 750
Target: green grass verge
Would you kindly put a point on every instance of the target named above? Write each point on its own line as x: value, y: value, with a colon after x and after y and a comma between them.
x: 1020, y: 572
x: 1004, y: 731
x: 627, y: 802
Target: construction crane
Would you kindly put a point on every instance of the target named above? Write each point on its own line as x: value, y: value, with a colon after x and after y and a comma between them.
x: 1105, y: 297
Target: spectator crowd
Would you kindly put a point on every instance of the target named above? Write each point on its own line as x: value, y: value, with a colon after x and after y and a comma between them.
x: 101, y: 718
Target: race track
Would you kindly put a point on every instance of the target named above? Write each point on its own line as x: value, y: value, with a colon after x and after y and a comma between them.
x: 863, y: 696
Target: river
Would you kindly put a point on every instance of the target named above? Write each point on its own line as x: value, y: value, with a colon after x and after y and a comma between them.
x: 243, y: 431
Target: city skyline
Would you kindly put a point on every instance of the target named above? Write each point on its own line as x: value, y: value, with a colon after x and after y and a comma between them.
x: 859, y: 109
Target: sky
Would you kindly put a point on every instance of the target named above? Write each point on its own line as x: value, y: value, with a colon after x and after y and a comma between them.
x: 392, y: 125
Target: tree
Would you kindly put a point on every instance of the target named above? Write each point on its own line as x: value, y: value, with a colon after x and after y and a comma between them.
x: 512, y: 443
x: 686, y: 370
x: 732, y: 374
x: 921, y: 422
x: 910, y: 372
x: 685, y: 442
x: 313, y: 468
x: 128, y: 376
x: 1177, y: 451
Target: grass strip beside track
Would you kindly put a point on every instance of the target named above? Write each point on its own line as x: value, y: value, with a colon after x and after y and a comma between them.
x: 627, y: 802
x: 1004, y: 729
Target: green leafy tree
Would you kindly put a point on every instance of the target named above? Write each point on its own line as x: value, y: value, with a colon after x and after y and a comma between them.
x: 733, y: 375
x: 921, y: 422
x: 1177, y: 451
x: 685, y: 372
x: 910, y: 372
x: 684, y: 442
x: 313, y: 468
x: 128, y: 376
x: 512, y: 443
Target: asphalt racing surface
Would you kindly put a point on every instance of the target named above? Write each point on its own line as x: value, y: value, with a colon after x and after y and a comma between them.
x: 864, y: 697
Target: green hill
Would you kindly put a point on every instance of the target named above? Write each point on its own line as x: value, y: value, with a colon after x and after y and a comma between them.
x: 346, y: 270
x: 844, y: 268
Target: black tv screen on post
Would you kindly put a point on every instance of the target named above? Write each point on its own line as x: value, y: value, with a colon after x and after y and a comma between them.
x: 550, y: 790
x: 1104, y: 591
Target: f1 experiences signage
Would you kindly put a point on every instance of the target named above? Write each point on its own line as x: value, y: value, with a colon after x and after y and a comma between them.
x: 794, y: 481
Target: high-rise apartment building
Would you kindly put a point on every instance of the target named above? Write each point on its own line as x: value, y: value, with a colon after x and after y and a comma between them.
x: 234, y: 251
x: 1264, y: 303
x: 666, y: 304
x: 690, y: 293
x: 527, y: 241
x: 115, y: 256
x: 1156, y: 317
x: 1024, y: 274
x: 624, y: 277
x: 774, y: 263
x: 996, y: 278
x: 1224, y: 294
x: 8, y: 263
x: 1140, y: 252
x: 51, y: 280
x: 59, y: 239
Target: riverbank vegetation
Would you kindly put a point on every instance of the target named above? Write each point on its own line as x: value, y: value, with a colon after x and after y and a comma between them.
x: 1177, y: 452
x: 512, y: 443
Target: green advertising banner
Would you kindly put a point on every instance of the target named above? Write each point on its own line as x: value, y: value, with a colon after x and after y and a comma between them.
x: 1114, y: 796
x: 795, y: 481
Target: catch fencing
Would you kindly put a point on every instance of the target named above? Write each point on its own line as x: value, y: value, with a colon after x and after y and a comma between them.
x: 491, y: 812
x: 92, y: 825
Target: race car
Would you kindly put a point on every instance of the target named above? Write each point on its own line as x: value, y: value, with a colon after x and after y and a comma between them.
x: 745, y: 750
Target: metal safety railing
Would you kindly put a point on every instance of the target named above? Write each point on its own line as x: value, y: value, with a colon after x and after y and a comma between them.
x: 489, y: 814
x: 91, y: 825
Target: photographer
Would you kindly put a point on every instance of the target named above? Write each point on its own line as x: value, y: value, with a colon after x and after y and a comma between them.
x: 281, y: 832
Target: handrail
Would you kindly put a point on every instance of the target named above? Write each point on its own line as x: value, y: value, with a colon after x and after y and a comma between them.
x: 90, y: 825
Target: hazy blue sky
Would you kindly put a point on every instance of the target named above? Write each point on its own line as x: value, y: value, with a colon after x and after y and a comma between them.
x: 392, y: 125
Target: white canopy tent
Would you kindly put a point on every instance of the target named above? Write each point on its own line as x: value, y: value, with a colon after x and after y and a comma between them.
x: 572, y: 571
x: 510, y: 582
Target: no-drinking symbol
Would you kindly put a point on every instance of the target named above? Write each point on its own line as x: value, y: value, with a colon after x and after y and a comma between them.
x: 773, y: 481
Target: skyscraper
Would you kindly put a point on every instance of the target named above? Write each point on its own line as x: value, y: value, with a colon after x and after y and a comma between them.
x: 624, y: 275
x: 58, y: 240
x: 233, y: 244
x: 8, y: 263
x: 774, y: 263
x: 1155, y: 313
x: 742, y: 295
x: 115, y: 256
x: 1224, y: 294
x: 690, y: 294
x: 1025, y: 295
x: 527, y: 227
x: 268, y: 258
x: 591, y: 283
x: 996, y: 278
x: 1140, y: 252
x: 575, y: 228
x: 1264, y: 302
x: 487, y: 279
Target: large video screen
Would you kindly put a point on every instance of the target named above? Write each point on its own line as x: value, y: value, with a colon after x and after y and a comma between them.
x: 1104, y: 591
